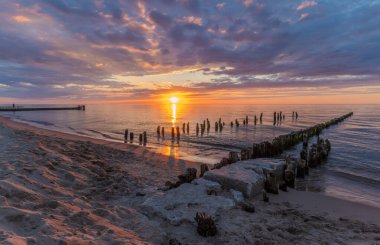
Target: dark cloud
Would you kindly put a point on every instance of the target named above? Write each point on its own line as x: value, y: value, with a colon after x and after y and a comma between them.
x: 161, y: 19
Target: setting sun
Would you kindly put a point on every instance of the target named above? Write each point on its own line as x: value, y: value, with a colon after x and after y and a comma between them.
x: 174, y: 99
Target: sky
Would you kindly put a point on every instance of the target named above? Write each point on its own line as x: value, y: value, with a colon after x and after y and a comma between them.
x: 204, y: 51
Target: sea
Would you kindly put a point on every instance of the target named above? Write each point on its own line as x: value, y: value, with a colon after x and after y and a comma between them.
x: 351, y: 172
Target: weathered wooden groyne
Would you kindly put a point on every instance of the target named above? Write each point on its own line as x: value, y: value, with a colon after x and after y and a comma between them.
x: 14, y: 108
x: 285, y: 142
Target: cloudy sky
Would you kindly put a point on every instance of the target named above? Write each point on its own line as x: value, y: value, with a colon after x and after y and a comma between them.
x: 319, y: 51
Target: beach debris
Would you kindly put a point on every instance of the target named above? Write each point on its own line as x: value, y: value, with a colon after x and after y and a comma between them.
x: 206, y: 225
x: 248, y: 207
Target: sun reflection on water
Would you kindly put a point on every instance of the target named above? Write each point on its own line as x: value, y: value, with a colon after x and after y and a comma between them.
x: 174, y: 114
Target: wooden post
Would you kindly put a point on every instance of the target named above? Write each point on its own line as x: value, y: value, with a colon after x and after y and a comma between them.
x: 261, y: 118
x: 271, y: 184
x: 233, y: 157
x: 216, y: 126
x: 255, y: 119
x: 163, y: 132
x: 290, y: 177
x: 204, y: 169
x: 183, y: 128
x: 158, y: 131
x: 145, y: 138
x: 274, y: 118
x: 172, y: 133
x: 131, y: 137
x: 126, y: 136
x: 208, y: 125
x: 232, y: 124
x: 178, y: 134
x: 140, y: 139
x: 301, y: 168
x: 188, y: 127
x: 197, y: 129
x: 246, y: 119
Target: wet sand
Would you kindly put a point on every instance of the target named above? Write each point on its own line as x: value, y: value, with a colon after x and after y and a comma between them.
x: 57, y: 188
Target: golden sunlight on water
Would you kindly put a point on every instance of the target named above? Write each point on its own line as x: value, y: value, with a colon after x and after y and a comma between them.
x: 174, y: 100
x: 174, y: 114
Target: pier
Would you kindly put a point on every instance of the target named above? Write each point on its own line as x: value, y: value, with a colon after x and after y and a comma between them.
x: 14, y: 108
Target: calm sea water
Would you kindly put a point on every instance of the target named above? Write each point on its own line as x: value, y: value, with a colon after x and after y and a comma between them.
x: 352, y: 171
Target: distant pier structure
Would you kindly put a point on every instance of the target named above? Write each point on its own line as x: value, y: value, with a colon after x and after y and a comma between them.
x: 18, y: 108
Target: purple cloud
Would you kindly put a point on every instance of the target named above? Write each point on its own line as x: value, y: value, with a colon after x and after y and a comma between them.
x: 302, y: 43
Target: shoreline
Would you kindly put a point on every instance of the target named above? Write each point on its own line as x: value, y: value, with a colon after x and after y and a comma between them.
x: 148, y: 151
x: 57, y: 188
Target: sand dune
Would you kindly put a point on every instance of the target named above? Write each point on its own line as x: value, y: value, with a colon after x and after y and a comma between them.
x: 63, y: 189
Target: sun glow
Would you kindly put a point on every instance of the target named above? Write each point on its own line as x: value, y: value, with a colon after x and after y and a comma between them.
x: 174, y: 99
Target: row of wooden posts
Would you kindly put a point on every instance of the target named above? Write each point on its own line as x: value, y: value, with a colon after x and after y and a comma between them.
x: 278, y: 117
x: 293, y: 168
x: 279, y: 144
x: 143, y: 139
x: 201, y: 128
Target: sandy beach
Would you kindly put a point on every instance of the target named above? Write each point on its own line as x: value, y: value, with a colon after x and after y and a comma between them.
x: 57, y: 188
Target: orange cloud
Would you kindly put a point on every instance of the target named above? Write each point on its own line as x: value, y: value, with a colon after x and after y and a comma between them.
x: 306, y: 4
x: 21, y: 19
